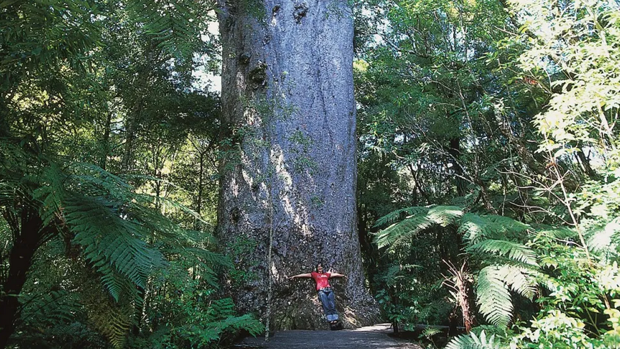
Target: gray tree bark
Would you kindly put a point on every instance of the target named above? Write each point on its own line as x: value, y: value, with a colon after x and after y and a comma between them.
x: 288, y: 170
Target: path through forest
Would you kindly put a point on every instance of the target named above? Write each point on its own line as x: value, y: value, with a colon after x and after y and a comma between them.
x: 370, y: 337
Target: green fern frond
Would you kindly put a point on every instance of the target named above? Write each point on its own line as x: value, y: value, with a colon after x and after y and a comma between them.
x: 512, y: 250
x: 222, y: 317
x: 473, y: 341
x: 51, y: 194
x: 508, y: 225
x: 404, y: 229
x: 49, y: 307
x: 99, y: 210
x: 420, y: 219
x: 205, y: 261
x: 112, y: 319
x: 111, y: 243
x: 521, y: 280
x: 445, y: 215
x: 493, y: 296
x: 221, y: 309
x: 475, y: 227
x: 555, y: 232
x: 398, y: 214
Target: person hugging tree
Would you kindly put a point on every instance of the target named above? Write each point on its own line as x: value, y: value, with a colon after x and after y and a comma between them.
x: 325, y: 292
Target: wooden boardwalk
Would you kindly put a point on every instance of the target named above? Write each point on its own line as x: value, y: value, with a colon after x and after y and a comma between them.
x: 371, y: 337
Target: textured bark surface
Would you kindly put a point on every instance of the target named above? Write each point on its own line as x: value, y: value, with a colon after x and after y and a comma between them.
x: 289, y: 172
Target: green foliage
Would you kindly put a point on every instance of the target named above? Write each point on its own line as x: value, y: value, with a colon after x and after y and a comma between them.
x: 91, y: 89
x: 510, y: 265
x: 418, y: 219
x: 478, y: 227
x: 176, y: 28
x: 473, y: 341
x: 511, y: 250
x: 107, y: 221
x: 186, y: 313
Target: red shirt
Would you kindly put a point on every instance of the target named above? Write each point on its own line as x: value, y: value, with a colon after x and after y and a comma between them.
x: 321, y: 279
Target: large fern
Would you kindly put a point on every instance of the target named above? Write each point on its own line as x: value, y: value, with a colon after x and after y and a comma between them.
x: 418, y: 219
x: 476, y: 227
x: 112, y: 226
x: 110, y: 317
x: 506, y: 264
x: 473, y: 341
x: 98, y: 210
x: 511, y: 250
x: 493, y: 290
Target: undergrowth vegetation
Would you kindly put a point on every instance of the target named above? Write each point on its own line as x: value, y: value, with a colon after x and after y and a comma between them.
x: 488, y: 173
x: 520, y: 246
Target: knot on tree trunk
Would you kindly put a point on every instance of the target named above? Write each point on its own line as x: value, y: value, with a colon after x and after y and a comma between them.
x: 300, y: 11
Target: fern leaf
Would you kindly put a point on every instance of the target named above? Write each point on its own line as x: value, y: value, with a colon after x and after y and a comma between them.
x: 472, y: 341
x: 112, y: 319
x: 476, y: 227
x: 111, y: 242
x: 520, y: 280
x: 394, y: 216
x: 514, y: 251
x: 493, y: 296
x: 402, y: 230
x: 420, y: 219
x: 445, y: 215
x: 473, y: 227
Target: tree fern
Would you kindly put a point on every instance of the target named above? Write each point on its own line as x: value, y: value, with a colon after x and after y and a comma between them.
x: 478, y: 227
x: 473, y: 341
x: 512, y: 250
x: 112, y: 244
x: 404, y: 229
x: 493, y: 297
x: 112, y: 225
x: 113, y: 319
x: 507, y: 264
x: 394, y: 216
x: 420, y: 218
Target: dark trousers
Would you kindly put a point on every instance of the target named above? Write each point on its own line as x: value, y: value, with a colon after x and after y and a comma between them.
x: 328, y: 300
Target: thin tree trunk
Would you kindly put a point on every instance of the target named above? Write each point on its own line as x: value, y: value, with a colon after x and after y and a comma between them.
x: 106, y: 142
x: 25, y: 244
x: 290, y: 167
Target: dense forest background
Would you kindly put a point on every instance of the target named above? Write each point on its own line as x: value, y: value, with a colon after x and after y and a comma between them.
x: 488, y: 173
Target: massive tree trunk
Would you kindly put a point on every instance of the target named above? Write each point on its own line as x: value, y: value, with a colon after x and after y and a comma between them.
x: 288, y: 174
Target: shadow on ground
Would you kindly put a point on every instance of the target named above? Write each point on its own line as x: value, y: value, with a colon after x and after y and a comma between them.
x: 370, y: 337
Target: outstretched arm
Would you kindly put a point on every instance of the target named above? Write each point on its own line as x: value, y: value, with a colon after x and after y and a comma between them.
x: 336, y: 275
x: 306, y: 275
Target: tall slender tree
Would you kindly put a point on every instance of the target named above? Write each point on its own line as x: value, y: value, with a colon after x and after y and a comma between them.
x: 288, y: 171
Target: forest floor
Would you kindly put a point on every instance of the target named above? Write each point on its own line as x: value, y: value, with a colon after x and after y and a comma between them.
x: 370, y: 337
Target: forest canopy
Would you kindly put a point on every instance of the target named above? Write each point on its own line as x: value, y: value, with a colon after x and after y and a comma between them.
x: 483, y: 168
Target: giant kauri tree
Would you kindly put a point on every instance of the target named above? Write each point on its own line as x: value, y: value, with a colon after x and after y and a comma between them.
x: 288, y: 169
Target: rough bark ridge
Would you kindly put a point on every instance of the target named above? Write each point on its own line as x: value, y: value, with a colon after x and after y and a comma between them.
x: 289, y: 170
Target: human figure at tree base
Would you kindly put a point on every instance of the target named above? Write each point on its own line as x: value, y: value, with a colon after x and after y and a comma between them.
x: 325, y: 293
